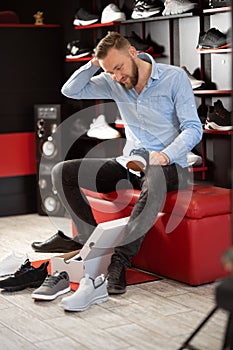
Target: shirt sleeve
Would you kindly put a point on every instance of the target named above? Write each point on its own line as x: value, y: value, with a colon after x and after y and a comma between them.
x: 83, y: 84
x: 190, y: 127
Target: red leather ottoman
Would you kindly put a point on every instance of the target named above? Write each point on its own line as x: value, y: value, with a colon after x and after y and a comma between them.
x: 189, y: 236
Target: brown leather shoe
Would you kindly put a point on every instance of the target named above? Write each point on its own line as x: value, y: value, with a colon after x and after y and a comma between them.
x: 58, y: 243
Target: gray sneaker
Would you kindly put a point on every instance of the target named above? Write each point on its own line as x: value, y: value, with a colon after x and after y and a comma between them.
x: 53, y: 286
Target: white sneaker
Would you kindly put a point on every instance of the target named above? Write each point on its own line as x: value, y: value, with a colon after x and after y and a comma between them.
x: 88, y: 293
x: 112, y: 13
x: 101, y: 130
x: 193, y: 159
x: 194, y: 82
x: 10, y: 263
x: 175, y: 7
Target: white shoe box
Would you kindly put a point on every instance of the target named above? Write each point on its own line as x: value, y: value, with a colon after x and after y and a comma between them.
x: 95, y: 256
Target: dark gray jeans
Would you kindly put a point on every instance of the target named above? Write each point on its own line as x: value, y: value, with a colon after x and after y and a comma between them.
x: 106, y: 175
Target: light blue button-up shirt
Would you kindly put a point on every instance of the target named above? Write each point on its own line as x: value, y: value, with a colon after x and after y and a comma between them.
x: 162, y: 118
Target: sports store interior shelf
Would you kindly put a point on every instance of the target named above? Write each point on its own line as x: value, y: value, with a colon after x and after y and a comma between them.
x: 181, y: 37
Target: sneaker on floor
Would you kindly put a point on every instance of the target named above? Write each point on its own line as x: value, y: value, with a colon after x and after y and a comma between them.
x: 27, y: 276
x: 175, y: 7
x: 100, y: 129
x: 212, y: 39
x: 84, y: 18
x: 54, y: 285
x: 112, y: 13
x: 58, y: 243
x: 194, y: 82
x: 90, y: 291
x: 116, y: 281
x: 74, y: 49
x: 193, y: 159
x: 138, y: 159
x: 146, y: 8
x: 10, y: 263
x: 218, y: 118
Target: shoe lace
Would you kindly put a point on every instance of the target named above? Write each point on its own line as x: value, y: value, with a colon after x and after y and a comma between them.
x: 115, y: 269
x: 51, y: 280
x: 24, y: 267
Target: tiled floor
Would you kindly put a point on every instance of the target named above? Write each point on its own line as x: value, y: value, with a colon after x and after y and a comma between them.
x: 157, y: 315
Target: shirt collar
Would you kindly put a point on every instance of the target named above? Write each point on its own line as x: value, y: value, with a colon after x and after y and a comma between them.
x: 154, y: 72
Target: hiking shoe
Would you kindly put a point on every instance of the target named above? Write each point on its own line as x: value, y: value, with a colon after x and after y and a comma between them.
x: 74, y: 49
x: 212, y: 39
x: 58, y: 243
x: 53, y: 286
x: 175, y: 7
x: 26, y: 276
x: 100, y: 129
x: 112, y: 13
x: 218, y: 118
x: 84, y: 18
x: 194, y: 82
x: 146, y: 8
x: 10, y: 263
x: 138, y: 159
x: 90, y: 291
x: 116, y: 281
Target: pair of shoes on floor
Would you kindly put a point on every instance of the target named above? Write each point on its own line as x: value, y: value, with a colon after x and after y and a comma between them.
x: 176, y: 7
x: 58, y: 243
x: 100, y: 129
x: 10, y: 263
x: 146, y: 8
x: 27, y: 276
x: 95, y: 291
x: 54, y: 285
x: 218, y: 118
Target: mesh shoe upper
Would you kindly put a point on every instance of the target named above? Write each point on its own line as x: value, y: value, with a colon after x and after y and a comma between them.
x: 213, y: 38
x: 53, y: 286
x: 218, y: 117
x: 83, y: 17
x: 112, y: 13
x: 175, y: 7
x: 146, y: 8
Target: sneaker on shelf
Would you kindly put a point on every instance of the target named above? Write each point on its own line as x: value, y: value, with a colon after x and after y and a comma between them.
x: 84, y: 18
x: 146, y: 8
x: 218, y: 118
x: 194, y: 82
x: 26, y: 276
x: 74, y: 49
x: 175, y: 7
x: 157, y: 49
x: 112, y: 13
x: 140, y: 44
x: 54, y: 285
x: 10, y: 263
x: 212, y: 39
x: 193, y: 159
x: 90, y: 292
x: 100, y: 129
x: 138, y: 159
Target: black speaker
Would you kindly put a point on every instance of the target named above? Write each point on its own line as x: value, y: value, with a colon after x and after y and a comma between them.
x: 48, y: 153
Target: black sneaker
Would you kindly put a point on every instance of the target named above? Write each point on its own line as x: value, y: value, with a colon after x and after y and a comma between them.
x: 116, y: 281
x: 218, y: 118
x: 74, y: 49
x: 213, y: 39
x: 26, y: 276
x: 138, y: 159
x: 140, y: 44
x: 146, y: 8
x: 84, y: 18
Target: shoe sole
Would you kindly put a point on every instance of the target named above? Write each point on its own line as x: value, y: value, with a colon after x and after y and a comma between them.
x: 50, y: 297
x: 145, y: 14
x: 116, y: 291
x: 96, y: 300
x: 80, y: 22
x: 135, y: 165
x: 17, y: 288
x: 80, y: 55
x: 214, y: 126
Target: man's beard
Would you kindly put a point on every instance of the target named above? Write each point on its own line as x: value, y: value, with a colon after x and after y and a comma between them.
x: 133, y: 79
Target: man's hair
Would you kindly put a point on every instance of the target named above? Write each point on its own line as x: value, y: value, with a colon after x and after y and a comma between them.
x: 111, y: 40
